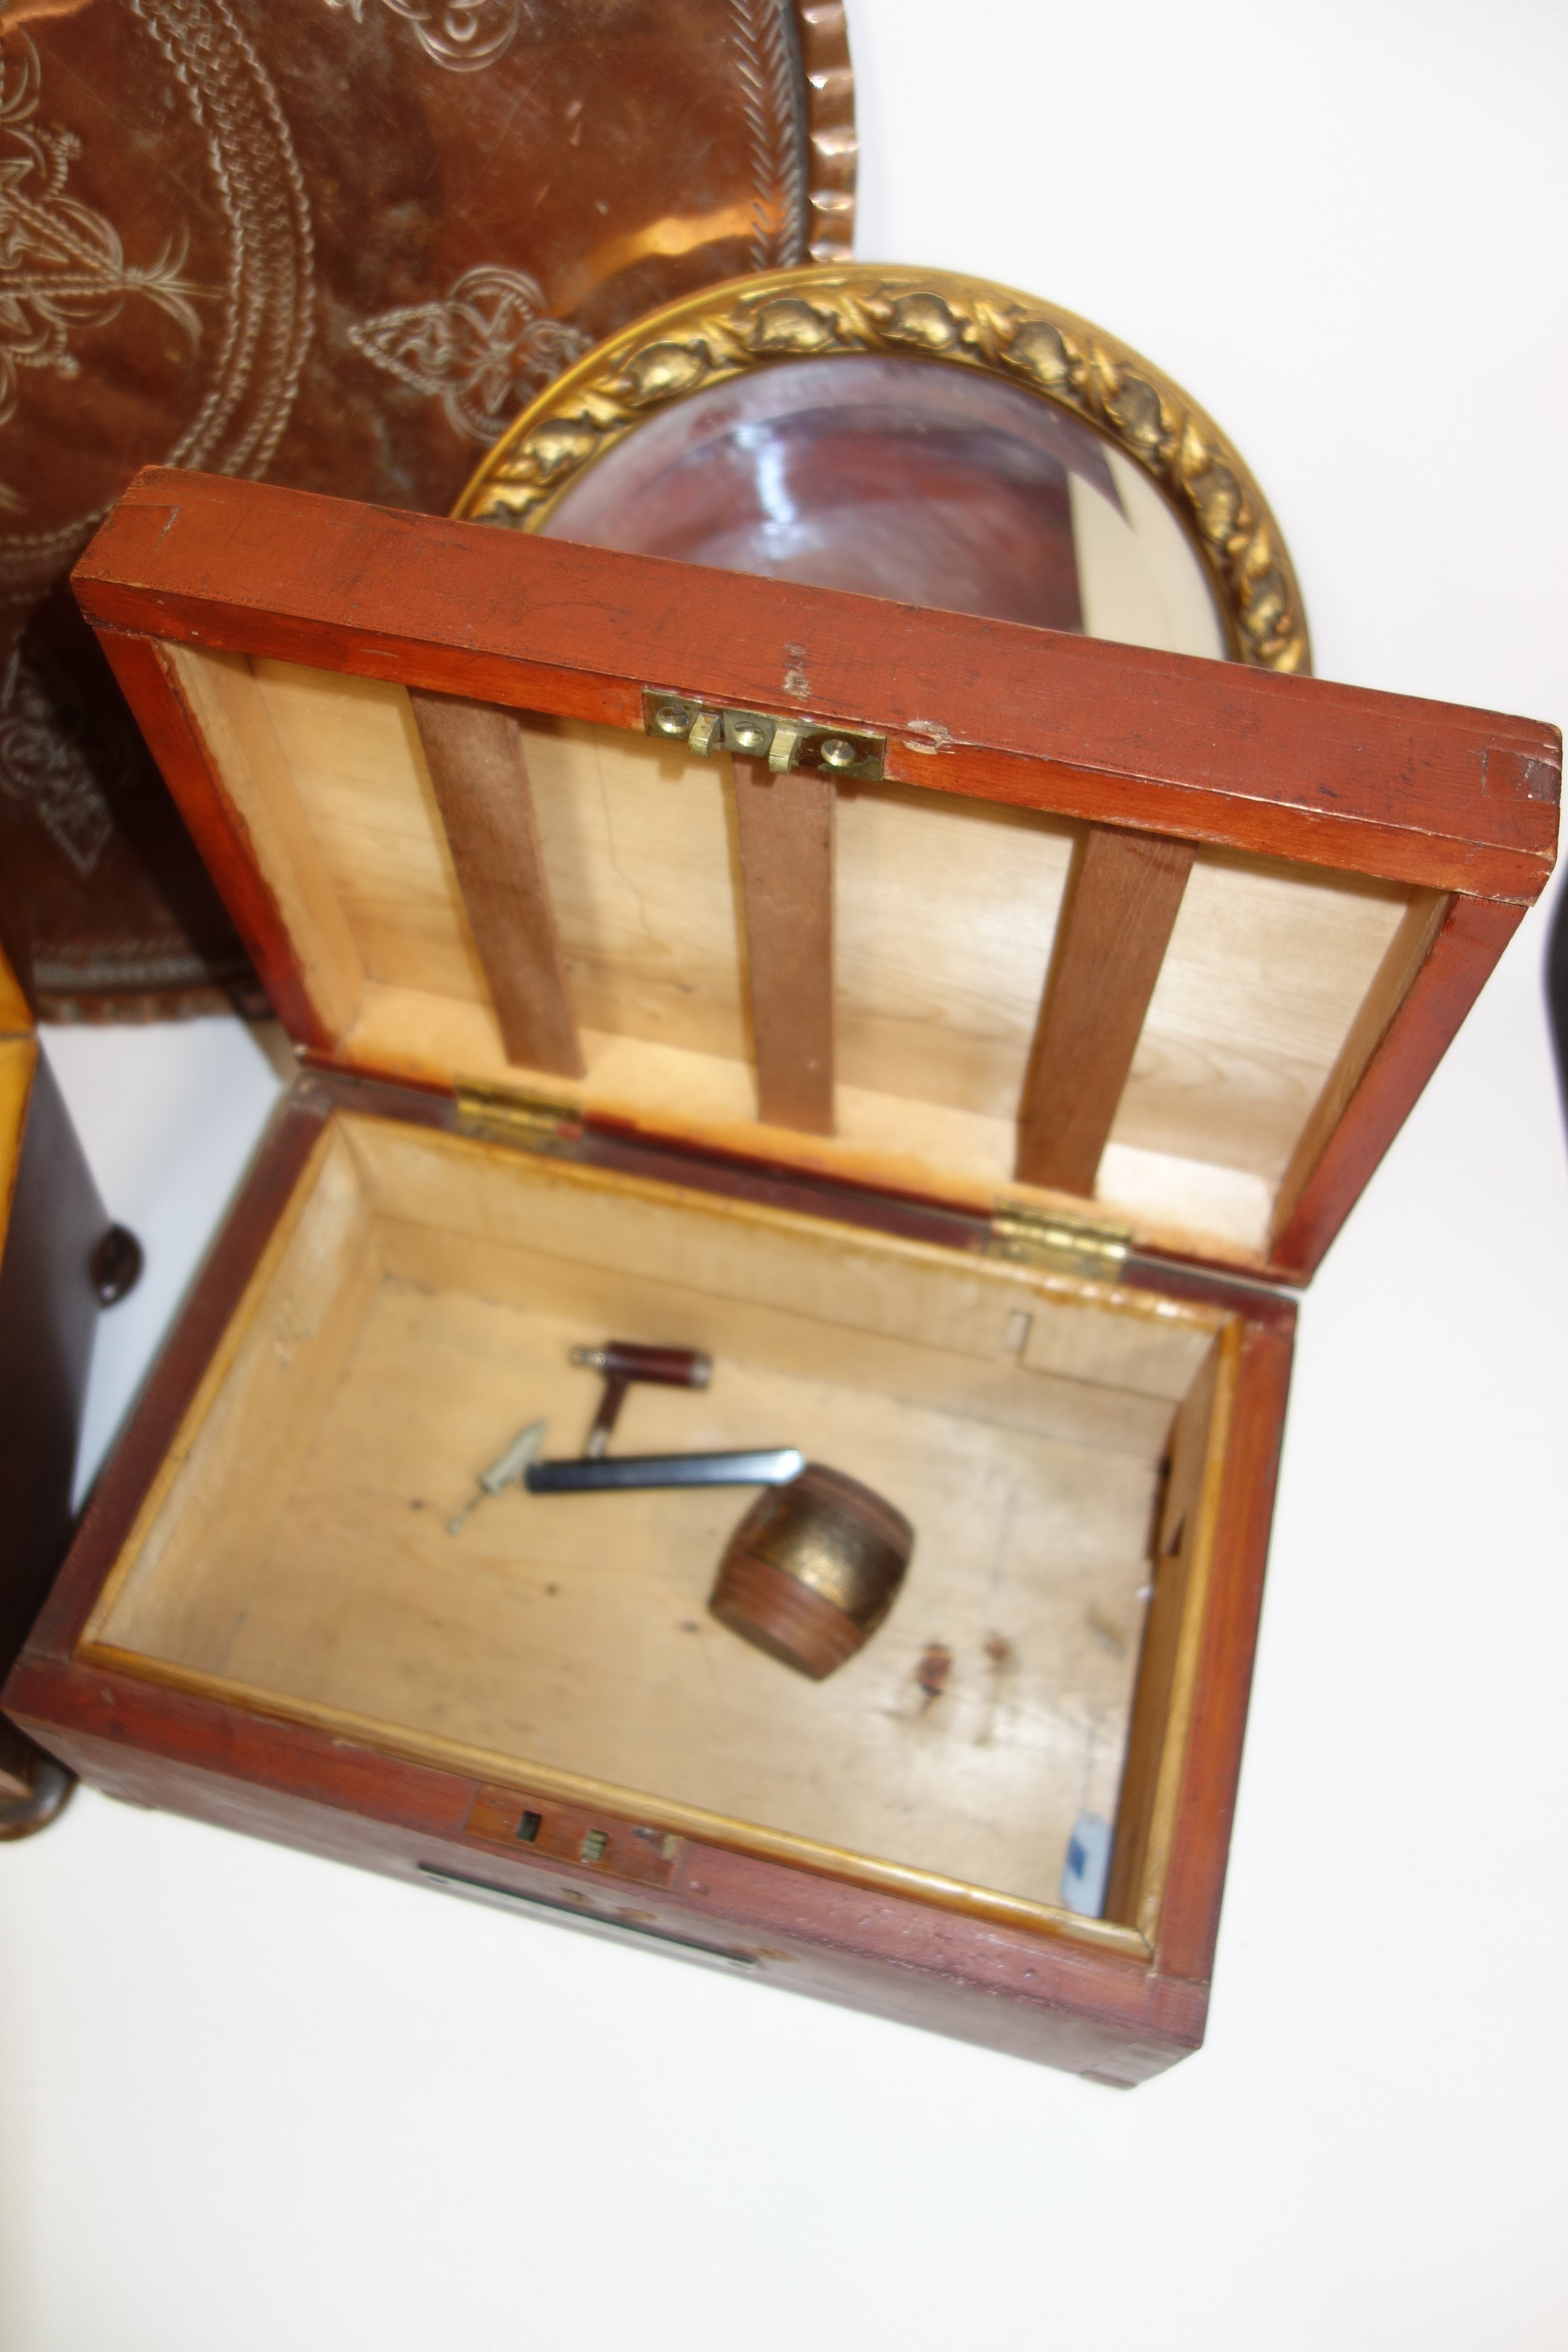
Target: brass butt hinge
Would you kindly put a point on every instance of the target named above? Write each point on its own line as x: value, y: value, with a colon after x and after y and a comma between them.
x: 849, y: 754
x: 526, y: 1122
x: 1053, y: 1243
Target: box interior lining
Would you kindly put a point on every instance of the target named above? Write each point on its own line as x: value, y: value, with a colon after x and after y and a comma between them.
x: 416, y: 1309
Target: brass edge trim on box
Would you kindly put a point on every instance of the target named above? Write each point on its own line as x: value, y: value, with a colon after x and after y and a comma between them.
x: 630, y: 1804
x: 832, y: 310
x: 1194, y: 1615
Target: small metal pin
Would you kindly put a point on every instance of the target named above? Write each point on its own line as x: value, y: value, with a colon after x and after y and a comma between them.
x: 509, y: 1469
x: 839, y: 752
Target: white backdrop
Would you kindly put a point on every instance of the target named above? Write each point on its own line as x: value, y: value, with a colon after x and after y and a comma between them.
x: 248, y: 2099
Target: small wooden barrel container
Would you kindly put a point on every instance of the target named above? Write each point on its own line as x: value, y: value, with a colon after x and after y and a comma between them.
x: 813, y: 1569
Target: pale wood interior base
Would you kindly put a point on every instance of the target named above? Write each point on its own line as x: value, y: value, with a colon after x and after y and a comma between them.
x: 416, y: 1309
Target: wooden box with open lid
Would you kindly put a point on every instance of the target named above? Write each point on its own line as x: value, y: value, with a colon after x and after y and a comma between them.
x: 971, y: 1083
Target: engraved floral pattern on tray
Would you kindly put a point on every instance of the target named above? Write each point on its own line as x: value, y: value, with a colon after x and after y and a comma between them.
x: 308, y: 238
x: 45, y: 765
x: 63, y: 274
x: 63, y: 269
x: 483, y: 352
x: 464, y: 36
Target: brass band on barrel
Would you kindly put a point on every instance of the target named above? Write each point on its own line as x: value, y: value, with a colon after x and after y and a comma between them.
x: 813, y: 1569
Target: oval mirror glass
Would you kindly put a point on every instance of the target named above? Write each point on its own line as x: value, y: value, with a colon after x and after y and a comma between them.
x: 895, y: 477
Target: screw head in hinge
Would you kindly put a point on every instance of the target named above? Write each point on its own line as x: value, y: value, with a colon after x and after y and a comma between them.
x: 838, y: 753
x: 673, y: 719
x: 748, y: 732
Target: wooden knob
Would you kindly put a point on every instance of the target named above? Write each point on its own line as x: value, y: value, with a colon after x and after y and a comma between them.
x: 812, y: 1570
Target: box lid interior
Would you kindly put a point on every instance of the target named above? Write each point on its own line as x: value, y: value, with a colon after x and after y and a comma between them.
x: 1152, y: 939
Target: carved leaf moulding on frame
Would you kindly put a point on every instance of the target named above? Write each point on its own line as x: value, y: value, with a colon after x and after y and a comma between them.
x: 829, y: 311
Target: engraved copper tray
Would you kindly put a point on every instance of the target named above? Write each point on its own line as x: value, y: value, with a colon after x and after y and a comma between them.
x: 341, y: 244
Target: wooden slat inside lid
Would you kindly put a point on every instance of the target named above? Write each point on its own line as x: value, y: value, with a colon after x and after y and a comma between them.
x: 1216, y: 1042
x: 479, y: 773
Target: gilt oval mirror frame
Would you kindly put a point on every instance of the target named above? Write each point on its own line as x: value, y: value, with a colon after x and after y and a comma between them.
x: 705, y: 403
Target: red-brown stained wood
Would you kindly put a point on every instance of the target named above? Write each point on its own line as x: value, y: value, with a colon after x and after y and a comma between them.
x: 1205, y: 752
x: 1121, y: 904
x: 786, y: 825
x: 51, y: 1222
x: 1473, y: 936
x: 479, y: 773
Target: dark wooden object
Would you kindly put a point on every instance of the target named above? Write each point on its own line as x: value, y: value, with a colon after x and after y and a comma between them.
x: 52, y: 1229
x: 1120, y: 906
x: 786, y: 868
x: 477, y: 766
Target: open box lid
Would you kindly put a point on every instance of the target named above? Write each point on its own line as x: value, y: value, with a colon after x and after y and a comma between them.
x: 995, y: 915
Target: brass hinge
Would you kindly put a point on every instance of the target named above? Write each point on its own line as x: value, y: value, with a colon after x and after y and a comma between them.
x: 528, y: 1122
x: 1054, y: 1243
x: 849, y: 754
